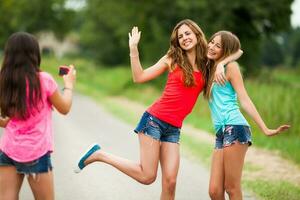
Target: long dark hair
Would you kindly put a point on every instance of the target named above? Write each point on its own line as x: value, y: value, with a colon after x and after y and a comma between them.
x: 178, y: 56
x: 20, y: 88
x: 230, y: 44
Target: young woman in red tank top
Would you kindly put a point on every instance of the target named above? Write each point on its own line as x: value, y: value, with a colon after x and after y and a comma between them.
x: 159, y: 127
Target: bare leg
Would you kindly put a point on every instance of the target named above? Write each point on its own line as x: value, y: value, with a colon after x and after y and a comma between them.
x: 42, y: 186
x: 234, y: 156
x: 145, y: 171
x: 169, y: 160
x: 216, y: 183
x: 10, y: 183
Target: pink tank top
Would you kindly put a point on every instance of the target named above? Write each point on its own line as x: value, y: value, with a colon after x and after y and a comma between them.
x: 177, y: 100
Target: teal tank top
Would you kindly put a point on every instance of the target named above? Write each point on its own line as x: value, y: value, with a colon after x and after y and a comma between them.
x: 224, y: 107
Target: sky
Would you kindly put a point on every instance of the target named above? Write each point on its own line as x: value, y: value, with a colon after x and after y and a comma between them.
x: 295, y: 17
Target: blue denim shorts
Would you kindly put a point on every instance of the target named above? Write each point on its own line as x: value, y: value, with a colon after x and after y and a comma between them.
x: 231, y: 134
x: 157, y: 129
x: 41, y: 165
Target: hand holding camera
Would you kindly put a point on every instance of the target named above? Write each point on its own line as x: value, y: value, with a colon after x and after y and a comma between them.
x: 69, y: 75
x: 63, y: 70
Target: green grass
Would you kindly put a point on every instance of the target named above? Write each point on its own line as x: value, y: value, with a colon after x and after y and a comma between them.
x: 197, y: 150
x: 277, y: 190
x: 278, y: 102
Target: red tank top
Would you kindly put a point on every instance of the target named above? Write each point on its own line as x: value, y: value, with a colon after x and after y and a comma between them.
x: 177, y: 100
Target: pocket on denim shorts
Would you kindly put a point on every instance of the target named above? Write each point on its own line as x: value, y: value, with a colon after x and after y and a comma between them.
x: 152, y: 128
x: 142, y: 123
x: 5, y: 160
x: 243, y: 134
x: 41, y: 165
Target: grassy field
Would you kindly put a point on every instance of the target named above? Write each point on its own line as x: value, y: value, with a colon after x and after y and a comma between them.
x: 276, y: 98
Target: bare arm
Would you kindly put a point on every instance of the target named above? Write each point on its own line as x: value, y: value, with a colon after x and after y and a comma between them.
x: 235, y: 77
x: 63, y: 102
x: 219, y: 74
x: 140, y: 75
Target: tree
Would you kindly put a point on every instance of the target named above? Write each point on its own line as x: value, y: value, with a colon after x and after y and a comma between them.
x: 272, y: 51
x: 294, y: 47
x: 251, y: 21
x: 107, y: 24
x: 33, y: 16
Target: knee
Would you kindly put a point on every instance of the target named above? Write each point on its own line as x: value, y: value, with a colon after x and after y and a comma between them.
x: 232, y: 190
x: 148, y: 179
x: 170, y: 183
x: 216, y: 193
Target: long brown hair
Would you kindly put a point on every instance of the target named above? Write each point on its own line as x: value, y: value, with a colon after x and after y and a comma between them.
x: 20, y: 88
x: 230, y: 44
x: 179, y: 57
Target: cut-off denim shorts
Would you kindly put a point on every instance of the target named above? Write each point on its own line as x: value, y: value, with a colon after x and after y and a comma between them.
x: 157, y: 129
x: 41, y: 165
x: 231, y: 134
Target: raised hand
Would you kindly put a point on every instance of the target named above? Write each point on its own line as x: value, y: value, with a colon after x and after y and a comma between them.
x: 134, y: 37
x: 272, y: 132
x: 70, y: 78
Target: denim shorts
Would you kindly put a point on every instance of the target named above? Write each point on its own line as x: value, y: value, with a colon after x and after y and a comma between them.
x: 231, y: 134
x: 41, y: 165
x: 157, y: 129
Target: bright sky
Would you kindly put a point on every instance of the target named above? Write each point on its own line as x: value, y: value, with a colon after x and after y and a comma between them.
x: 295, y: 18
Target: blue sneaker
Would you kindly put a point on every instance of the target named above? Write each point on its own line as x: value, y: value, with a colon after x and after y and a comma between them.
x: 94, y: 147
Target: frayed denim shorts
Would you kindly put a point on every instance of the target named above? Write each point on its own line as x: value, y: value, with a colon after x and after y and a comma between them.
x: 231, y: 134
x: 41, y: 165
x: 157, y: 129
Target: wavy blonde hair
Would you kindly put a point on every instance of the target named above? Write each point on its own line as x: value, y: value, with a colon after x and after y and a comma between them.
x: 178, y: 55
x: 230, y: 44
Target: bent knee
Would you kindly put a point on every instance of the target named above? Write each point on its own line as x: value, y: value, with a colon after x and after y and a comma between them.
x: 147, y: 180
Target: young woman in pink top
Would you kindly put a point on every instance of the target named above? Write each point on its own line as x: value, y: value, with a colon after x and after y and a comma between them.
x: 159, y: 127
x: 26, y: 98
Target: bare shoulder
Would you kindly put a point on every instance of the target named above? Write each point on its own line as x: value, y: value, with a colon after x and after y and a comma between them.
x: 233, y: 64
x: 233, y: 70
x: 233, y: 67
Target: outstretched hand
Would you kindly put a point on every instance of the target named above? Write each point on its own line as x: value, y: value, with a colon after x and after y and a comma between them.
x: 272, y: 132
x: 134, y: 36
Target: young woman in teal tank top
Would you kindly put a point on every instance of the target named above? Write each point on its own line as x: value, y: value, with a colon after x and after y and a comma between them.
x: 233, y: 134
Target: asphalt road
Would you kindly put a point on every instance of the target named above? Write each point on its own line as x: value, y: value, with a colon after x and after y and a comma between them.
x: 88, y: 123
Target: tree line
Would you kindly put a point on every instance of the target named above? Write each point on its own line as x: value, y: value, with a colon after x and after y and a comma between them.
x: 263, y: 26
